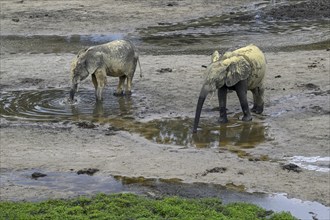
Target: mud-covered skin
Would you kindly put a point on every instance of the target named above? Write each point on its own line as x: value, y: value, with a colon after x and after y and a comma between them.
x: 241, y: 70
x: 117, y: 58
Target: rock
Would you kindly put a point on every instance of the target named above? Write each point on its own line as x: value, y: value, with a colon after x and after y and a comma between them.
x: 215, y: 170
x: 37, y: 175
x: 88, y: 171
x: 291, y: 167
x: 164, y: 70
x: 88, y: 125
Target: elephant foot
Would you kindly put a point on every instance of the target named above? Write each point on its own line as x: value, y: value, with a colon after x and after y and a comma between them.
x: 118, y: 93
x: 257, y: 109
x: 128, y: 93
x: 223, y: 120
x: 247, y: 118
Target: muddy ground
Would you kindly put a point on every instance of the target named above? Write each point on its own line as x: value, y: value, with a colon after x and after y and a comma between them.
x: 295, y: 121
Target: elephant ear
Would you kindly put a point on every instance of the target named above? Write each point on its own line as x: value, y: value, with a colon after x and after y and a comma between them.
x: 215, y: 56
x: 239, y: 69
x: 93, y: 61
x: 215, y: 75
x: 81, y: 52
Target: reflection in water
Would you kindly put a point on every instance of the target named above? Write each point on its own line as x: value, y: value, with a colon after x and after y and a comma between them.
x: 125, y: 107
x: 178, y: 131
x: 98, y: 109
x: 53, y: 105
x: 54, y: 43
x: 317, y: 163
x: 72, y: 184
x: 120, y: 113
x: 95, y: 38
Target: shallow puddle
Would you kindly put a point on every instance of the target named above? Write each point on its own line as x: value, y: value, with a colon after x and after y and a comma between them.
x: 251, y: 23
x: 120, y: 113
x: 317, y: 163
x: 178, y: 131
x: 52, y: 105
x: 54, y: 43
x: 255, y: 23
x: 72, y: 184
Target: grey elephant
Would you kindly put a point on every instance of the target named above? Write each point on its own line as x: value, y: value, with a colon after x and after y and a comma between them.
x: 117, y: 58
x: 240, y: 70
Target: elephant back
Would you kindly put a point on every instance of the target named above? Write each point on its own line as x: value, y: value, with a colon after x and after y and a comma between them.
x: 119, y: 57
x: 255, y: 57
x: 245, y: 63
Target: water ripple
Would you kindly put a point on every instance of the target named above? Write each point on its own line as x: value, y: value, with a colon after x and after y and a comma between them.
x: 48, y: 105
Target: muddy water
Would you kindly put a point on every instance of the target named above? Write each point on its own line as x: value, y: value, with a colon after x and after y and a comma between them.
x: 229, y: 32
x: 259, y: 23
x: 53, y: 43
x: 53, y: 105
x: 72, y: 184
x: 120, y: 113
x: 319, y: 164
x: 234, y: 135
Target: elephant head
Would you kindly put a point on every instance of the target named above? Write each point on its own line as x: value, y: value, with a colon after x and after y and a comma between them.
x: 222, y: 74
x: 84, y: 64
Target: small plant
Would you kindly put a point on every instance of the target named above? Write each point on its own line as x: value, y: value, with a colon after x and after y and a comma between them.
x: 131, y: 206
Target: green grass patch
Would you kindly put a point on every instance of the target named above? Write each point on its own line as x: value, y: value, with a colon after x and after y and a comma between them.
x: 131, y: 206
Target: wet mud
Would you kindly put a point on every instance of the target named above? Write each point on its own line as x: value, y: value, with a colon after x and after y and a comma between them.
x: 53, y: 43
x: 278, y: 22
x: 146, y: 140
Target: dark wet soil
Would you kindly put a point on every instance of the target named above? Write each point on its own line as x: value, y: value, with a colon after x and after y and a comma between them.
x: 309, y: 10
x: 261, y: 21
x: 32, y: 81
x: 88, y: 171
x: 291, y: 167
x: 87, y: 125
x: 215, y: 170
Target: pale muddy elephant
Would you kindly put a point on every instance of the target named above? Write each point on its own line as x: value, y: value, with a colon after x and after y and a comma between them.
x: 240, y: 70
x: 117, y: 58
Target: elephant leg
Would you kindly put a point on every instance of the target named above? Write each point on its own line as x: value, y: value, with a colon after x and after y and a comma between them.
x: 94, y: 81
x: 101, y: 79
x: 129, y: 86
x: 120, y: 86
x: 241, y: 91
x: 98, y: 109
x: 222, y: 97
x: 258, y: 100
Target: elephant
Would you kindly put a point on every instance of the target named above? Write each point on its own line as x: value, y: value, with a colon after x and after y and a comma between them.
x: 117, y: 58
x: 240, y: 70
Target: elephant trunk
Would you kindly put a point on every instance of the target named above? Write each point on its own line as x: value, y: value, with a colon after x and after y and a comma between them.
x: 73, y: 91
x: 202, y: 96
